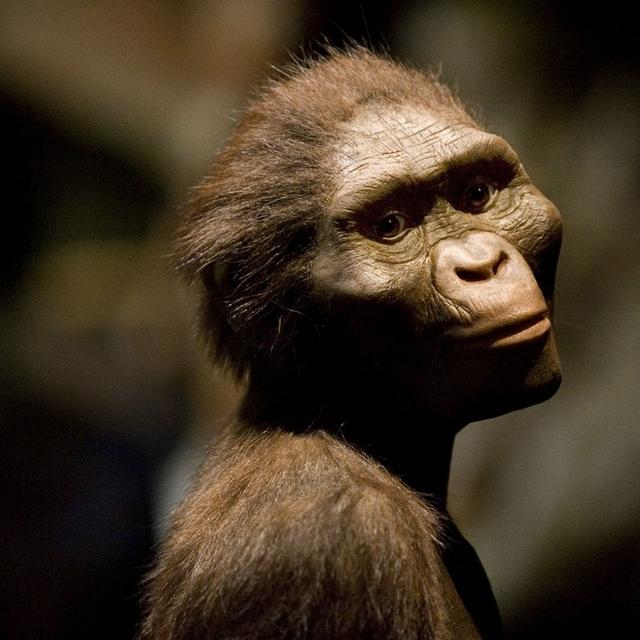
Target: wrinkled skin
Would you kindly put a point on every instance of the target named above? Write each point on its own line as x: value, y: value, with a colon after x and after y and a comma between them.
x: 468, y: 283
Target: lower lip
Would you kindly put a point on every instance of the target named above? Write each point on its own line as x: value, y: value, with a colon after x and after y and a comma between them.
x: 513, y: 335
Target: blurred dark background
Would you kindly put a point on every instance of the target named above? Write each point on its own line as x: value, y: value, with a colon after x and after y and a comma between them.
x: 109, y: 111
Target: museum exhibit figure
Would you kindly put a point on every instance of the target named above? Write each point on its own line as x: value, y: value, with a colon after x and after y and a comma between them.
x: 379, y: 270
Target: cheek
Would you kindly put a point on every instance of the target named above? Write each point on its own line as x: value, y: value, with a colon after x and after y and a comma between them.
x: 533, y: 224
x: 532, y: 221
x: 353, y: 267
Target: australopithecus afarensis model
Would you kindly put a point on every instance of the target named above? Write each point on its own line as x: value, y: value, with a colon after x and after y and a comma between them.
x: 380, y: 271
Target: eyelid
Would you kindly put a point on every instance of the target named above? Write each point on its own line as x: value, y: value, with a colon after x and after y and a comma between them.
x: 497, y: 172
x: 407, y: 196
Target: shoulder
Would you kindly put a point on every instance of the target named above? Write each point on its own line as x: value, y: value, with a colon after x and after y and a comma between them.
x: 277, y: 470
x: 300, y: 533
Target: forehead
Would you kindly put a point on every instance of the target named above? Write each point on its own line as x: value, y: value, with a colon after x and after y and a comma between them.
x: 383, y: 147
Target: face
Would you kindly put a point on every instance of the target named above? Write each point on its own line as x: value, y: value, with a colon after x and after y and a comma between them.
x: 438, y: 257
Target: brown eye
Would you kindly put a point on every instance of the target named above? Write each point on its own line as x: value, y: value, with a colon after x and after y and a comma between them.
x: 391, y: 226
x: 478, y: 196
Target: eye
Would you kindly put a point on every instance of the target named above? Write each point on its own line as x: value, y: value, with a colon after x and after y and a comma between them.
x: 477, y: 196
x: 391, y: 226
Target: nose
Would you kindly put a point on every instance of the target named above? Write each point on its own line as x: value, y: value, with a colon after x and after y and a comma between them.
x: 479, y: 264
x: 476, y: 261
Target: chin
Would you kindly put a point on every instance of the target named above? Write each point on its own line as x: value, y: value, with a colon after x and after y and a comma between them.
x: 545, y: 373
x: 531, y: 394
x: 499, y: 382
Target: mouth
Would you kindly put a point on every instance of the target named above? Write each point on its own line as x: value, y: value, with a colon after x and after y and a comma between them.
x: 514, y: 333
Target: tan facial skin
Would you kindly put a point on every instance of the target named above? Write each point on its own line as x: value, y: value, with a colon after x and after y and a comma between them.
x: 442, y: 216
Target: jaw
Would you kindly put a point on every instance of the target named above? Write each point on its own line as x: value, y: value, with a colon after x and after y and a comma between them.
x: 477, y: 385
x: 415, y: 377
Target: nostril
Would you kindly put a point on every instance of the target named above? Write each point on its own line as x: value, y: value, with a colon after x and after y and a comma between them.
x: 472, y: 275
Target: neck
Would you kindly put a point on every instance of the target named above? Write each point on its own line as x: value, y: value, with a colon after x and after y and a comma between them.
x: 414, y: 445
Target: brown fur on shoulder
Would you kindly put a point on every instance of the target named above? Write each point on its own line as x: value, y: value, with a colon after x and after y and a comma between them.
x: 297, y: 536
